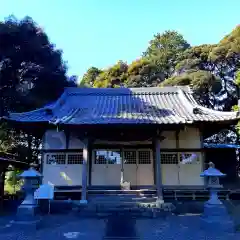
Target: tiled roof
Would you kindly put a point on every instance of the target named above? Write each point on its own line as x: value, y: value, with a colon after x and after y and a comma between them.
x: 167, y: 105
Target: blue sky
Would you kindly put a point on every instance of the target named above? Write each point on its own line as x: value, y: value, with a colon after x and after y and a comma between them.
x: 101, y: 32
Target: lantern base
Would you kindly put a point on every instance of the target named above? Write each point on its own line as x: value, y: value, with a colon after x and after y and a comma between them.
x: 27, y: 213
x: 216, y: 218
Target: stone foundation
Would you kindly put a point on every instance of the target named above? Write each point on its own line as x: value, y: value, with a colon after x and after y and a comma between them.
x: 216, y: 218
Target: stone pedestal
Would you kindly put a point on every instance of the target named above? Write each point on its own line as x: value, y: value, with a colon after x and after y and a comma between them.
x: 27, y: 213
x: 216, y: 218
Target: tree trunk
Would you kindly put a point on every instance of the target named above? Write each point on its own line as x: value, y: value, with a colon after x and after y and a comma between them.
x: 2, y: 183
x: 29, y: 154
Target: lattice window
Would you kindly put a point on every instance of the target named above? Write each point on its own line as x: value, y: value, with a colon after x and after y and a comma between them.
x: 144, y: 157
x: 101, y: 157
x: 56, y: 158
x: 130, y: 157
x: 169, y: 158
x: 75, y: 158
x: 114, y: 157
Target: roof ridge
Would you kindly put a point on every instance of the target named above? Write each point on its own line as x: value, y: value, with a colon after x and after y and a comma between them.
x: 125, y: 91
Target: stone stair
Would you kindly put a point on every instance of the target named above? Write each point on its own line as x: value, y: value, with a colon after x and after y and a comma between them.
x: 120, y: 204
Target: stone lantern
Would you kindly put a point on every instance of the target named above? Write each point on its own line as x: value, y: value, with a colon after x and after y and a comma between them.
x: 215, y: 215
x: 212, y: 175
x: 27, y: 210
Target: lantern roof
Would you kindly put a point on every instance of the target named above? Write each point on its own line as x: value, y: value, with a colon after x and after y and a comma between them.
x: 30, y: 173
x: 212, y: 172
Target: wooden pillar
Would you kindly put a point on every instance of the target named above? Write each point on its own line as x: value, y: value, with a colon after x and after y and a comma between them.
x: 203, y: 155
x: 158, y: 170
x: 85, y: 172
x: 89, y: 164
x: 178, y: 154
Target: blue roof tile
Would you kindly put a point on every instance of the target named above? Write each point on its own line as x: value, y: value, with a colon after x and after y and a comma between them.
x: 167, y: 105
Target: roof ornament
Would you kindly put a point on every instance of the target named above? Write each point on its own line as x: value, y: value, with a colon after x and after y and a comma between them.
x: 211, y: 164
x: 196, y: 110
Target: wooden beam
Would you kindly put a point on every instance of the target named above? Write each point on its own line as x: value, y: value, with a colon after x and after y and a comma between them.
x: 114, y: 146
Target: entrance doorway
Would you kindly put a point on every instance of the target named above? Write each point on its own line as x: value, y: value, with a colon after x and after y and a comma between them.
x: 175, y: 173
x: 138, y: 167
x: 134, y: 165
x: 106, y: 167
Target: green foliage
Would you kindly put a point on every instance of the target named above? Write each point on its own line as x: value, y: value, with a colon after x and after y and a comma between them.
x: 164, y: 50
x: 89, y: 77
x: 29, y: 64
x: 170, y: 60
x: 228, y: 48
x: 32, y: 73
x: 143, y: 73
x: 237, y: 79
x: 4, y: 139
x: 12, y: 177
x: 201, y: 81
x: 157, y: 63
x: 235, y: 108
x: 112, y: 77
x: 169, y: 41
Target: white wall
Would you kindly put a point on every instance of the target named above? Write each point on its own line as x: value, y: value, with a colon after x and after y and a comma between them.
x: 189, y: 138
x: 169, y: 140
x: 68, y: 173
x: 54, y: 140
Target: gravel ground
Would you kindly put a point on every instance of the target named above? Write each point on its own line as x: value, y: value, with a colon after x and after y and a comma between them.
x: 179, y: 228
x: 60, y: 227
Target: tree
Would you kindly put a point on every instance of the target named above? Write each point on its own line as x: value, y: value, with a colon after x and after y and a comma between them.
x: 89, y: 77
x: 194, y: 59
x: 114, y: 76
x: 226, y: 59
x: 222, y: 61
x: 157, y: 63
x: 32, y: 73
x: 164, y: 50
x: 205, y: 85
x: 143, y: 73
